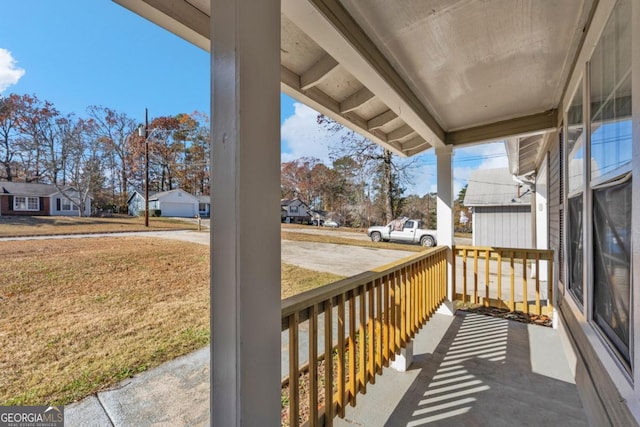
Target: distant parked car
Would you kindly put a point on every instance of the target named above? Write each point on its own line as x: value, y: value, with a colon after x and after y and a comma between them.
x: 330, y: 223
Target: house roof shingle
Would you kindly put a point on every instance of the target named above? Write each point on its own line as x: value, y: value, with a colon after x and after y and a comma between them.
x: 495, y: 187
x: 28, y: 189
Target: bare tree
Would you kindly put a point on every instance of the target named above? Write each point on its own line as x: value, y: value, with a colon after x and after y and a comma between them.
x: 386, y: 173
x: 9, y: 116
x: 113, y: 131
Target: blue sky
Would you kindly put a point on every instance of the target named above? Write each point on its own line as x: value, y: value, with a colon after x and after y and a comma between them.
x: 77, y: 53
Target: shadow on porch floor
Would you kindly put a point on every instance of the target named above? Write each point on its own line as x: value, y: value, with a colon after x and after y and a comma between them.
x: 474, y: 370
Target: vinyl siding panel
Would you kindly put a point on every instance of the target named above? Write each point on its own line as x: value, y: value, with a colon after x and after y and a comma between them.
x: 556, y: 211
x: 503, y: 226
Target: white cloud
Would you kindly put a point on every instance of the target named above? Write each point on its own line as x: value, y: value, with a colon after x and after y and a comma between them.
x: 9, y: 73
x: 303, y: 136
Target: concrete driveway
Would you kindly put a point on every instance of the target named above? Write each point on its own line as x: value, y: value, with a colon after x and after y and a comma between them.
x: 344, y: 260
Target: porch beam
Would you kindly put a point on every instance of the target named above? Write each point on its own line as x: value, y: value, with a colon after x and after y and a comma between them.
x: 400, y: 134
x: 329, y: 24
x: 381, y: 119
x: 534, y: 123
x: 179, y: 17
x: 320, y: 101
x: 413, y: 143
x: 318, y: 72
x: 356, y: 100
x: 245, y: 276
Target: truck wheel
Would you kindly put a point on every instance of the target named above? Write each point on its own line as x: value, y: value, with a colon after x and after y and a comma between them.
x: 376, y: 236
x: 427, y: 241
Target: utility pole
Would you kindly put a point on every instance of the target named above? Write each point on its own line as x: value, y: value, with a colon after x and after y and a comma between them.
x: 146, y: 167
x: 145, y: 134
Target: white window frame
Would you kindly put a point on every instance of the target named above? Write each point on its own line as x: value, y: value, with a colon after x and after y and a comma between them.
x: 627, y: 383
x: 27, y: 203
x: 571, y: 193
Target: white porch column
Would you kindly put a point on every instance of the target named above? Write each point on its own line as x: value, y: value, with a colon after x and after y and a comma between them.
x: 245, y: 237
x: 445, y: 215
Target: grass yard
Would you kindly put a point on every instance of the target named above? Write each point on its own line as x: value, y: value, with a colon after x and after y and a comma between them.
x: 11, y: 226
x: 296, y: 280
x: 79, y: 315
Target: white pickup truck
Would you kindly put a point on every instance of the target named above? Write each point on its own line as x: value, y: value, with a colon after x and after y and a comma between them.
x: 404, y: 230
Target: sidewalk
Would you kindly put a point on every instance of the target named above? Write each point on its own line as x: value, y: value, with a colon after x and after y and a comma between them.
x: 173, y: 394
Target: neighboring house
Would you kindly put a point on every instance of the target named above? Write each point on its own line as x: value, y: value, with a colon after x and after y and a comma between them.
x: 177, y: 203
x: 21, y: 198
x: 501, y: 209
x: 135, y: 203
x: 296, y: 211
x: 204, y: 206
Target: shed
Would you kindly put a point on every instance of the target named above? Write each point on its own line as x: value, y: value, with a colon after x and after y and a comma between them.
x: 501, y: 209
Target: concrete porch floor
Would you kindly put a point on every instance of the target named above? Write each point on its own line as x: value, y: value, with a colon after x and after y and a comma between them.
x: 474, y: 370
x: 468, y: 370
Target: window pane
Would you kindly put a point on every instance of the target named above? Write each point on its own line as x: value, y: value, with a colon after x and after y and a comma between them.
x: 611, y: 96
x: 20, y: 203
x: 612, y: 262
x: 575, y: 253
x: 575, y: 142
x: 33, y: 203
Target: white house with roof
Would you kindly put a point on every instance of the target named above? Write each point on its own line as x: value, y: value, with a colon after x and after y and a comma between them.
x: 204, y: 206
x: 171, y: 203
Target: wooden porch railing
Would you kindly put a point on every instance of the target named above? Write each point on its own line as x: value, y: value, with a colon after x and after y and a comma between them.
x: 501, y: 277
x: 364, y: 320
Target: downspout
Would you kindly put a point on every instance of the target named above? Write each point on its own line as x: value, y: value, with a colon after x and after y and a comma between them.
x: 534, y: 220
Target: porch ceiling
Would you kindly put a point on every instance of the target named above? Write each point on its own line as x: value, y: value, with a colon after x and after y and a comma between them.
x: 420, y: 73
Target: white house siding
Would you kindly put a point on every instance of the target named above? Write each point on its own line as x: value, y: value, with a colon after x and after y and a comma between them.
x: 136, y: 204
x: 555, y: 206
x: 502, y: 226
x: 59, y: 200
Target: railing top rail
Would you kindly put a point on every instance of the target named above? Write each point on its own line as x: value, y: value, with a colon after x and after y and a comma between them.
x: 545, y: 252
x: 306, y: 299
